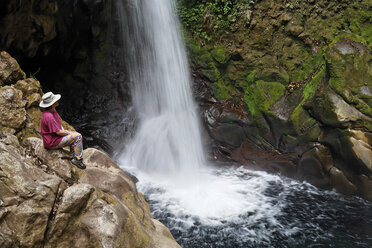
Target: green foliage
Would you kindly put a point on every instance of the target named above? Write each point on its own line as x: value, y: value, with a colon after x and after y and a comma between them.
x: 33, y: 75
x: 207, y: 18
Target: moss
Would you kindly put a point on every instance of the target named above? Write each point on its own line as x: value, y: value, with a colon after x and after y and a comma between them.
x: 360, y: 20
x: 219, y: 54
x: 300, y: 118
x: 273, y: 75
x: 308, y: 66
x: 348, y: 73
x: 221, y: 90
x: 262, y: 95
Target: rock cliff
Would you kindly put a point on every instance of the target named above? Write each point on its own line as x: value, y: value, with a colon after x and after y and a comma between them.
x: 285, y: 86
x: 47, y: 202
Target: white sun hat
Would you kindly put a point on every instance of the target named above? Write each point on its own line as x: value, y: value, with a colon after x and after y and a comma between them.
x: 49, y: 99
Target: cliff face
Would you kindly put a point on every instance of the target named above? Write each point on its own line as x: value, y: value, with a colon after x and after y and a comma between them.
x: 47, y: 202
x: 286, y: 86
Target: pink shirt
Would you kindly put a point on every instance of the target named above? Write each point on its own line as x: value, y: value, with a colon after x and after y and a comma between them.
x: 50, y: 124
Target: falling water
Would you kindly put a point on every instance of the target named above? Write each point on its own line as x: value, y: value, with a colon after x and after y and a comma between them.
x: 167, y: 139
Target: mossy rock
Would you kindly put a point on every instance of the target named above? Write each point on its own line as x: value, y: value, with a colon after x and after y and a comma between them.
x: 349, y: 73
x: 261, y: 95
x: 220, y: 55
x: 273, y: 75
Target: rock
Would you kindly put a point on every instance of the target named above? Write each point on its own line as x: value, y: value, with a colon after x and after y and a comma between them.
x: 362, y: 147
x: 345, y: 48
x: 229, y: 133
x: 27, y: 196
x: 106, y: 175
x: 12, y: 112
x: 345, y: 112
x: 10, y: 71
x: 56, y: 160
x: 365, y: 187
x: 28, y: 86
x: 341, y: 183
x: 314, y: 166
x: 33, y: 100
x: 294, y: 30
x: 105, y: 210
x: 101, y: 208
x: 273, y: 75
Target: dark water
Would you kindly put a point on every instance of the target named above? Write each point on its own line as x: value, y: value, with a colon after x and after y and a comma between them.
x: 307, y: 217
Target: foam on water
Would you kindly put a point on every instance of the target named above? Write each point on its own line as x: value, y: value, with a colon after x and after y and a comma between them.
x: 213, y: 197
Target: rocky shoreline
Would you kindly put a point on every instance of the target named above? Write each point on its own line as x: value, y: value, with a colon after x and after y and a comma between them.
x: 47, y: 202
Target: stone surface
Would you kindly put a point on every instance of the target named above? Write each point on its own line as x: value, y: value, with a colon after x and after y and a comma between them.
x: 27, y: 196
x: 10, y: 71
x: 56, y: 160
x: 339, y: 181
x: 28, y: 86
x: 12, y: 111
x: 46, y: 202
x: 362, y: 147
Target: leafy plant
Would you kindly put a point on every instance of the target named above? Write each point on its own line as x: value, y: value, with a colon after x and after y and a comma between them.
x: 204, y: 16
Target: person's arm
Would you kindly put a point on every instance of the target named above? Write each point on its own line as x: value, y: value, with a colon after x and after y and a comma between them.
x: 62, y: 132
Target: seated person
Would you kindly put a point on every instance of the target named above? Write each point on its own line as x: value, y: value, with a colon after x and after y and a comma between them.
x: 54, y: 136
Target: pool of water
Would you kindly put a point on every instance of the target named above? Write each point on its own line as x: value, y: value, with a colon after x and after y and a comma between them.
x: 237, y: 207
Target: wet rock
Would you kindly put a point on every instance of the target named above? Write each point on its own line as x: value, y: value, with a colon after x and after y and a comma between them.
x: 229, y: 133
x: 361, y: 144
x: 314, y: 166
x: 339, y: 181
x: 365, y: 187
x: 10, y: 71
x: 12, y: 112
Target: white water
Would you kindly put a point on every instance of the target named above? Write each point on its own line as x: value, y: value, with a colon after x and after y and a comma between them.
x: 166, y: 153
x: 167, y: 141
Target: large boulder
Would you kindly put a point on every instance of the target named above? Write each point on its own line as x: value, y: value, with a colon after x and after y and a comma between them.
x: 10, y: 71
x: 46, y: 202
x: 56, y: 161
x: 12, y: 109
x: 27, y: 197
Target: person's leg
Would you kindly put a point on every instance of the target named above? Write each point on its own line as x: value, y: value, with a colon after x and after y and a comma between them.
x: 75, y: 141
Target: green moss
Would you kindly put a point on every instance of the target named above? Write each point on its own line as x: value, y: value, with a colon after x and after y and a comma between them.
x: 261, y: 95
x: 221, y: 90
x: 348, y: 73
x: 308, y: 66
x: 219, y: 54
x: 273, y: 75
x: 360, y: 22
x: 300, y: 118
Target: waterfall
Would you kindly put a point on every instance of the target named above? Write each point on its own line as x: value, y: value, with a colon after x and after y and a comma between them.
x: 168, y: 138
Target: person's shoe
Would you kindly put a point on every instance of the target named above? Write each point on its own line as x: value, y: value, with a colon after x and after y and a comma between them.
x: 78, y: 163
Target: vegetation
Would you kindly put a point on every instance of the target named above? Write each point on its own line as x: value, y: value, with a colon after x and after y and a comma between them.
x: 206, y: 19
